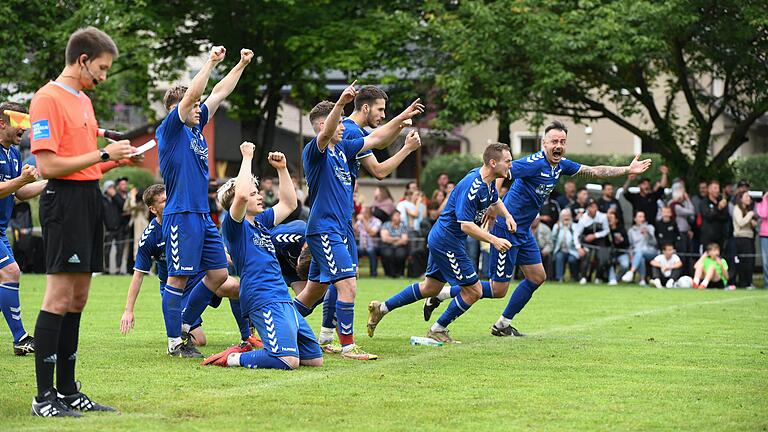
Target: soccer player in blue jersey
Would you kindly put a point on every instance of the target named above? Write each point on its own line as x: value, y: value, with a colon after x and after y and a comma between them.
x: 194, y: 244
x: 448, y: 259
x: 288, y: 339
x: 326, y: 162
x: 370, y: 111
x: 16, y: 181
x: 152, y: 249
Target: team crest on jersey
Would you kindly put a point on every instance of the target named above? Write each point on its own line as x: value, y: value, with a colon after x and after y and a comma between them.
x: 343, y: 175
x: 263, y: 241
x: 196, y: 145
x: 479, y: 216
x: 544, y: 189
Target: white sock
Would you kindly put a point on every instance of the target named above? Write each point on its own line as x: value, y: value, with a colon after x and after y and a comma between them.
x: 383, y: 308
x: 326, y: 334
x: 705, y: 282
x: 444, y: 293
x: 233, y: 359
x: 696, y: 280
x: 173, y: 342
x: 347, y: 348
x: 437, y: 327
x: 185, y: 328
x: 503, y: 322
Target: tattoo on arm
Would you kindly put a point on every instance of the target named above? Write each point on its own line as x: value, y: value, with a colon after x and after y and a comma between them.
x: 602, y: 171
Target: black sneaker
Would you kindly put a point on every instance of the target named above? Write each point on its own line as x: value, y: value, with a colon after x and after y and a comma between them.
x: 185, y: 350
x: 52, y: 406
x: 80, y: 402
x: 430, y: 304
x: 25, y: 345
x: 505, y: 331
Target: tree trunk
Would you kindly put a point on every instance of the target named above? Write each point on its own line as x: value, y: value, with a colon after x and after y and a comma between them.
x: 268, y: 131
x: 503, y: 134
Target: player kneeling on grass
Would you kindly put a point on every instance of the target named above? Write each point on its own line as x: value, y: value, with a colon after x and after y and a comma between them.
x: 288, y: 339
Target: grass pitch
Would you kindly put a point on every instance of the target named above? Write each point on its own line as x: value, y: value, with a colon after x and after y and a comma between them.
x: 597, y: 358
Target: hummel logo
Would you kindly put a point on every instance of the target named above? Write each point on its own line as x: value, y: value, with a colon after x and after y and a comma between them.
x: 74, y: 259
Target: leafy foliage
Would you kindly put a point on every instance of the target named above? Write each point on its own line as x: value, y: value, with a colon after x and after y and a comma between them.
x: 454, y: 164
x: 137, y: 177
x: 754, y: 169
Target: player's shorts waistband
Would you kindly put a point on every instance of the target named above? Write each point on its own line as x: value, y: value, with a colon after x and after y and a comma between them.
x: 85, y: 184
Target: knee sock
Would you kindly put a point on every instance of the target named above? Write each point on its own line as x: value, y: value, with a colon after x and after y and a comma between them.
x: 11, y: 307
x: 448, y: 292
x: 517, y: 301
x: 67, y: 353
x: 172, y: 311
x: 302, y: 308
x: 408, y: 295
x: 345, y: 313
x: 242, y: 323
x: 259, y: 359
x: 198, y: 300
x: 329, y: 308
x: 47, y: 331
x: 457, y: 307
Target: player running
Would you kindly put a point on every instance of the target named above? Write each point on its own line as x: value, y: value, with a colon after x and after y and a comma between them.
x: 194, y: 244
x: 448, y: 259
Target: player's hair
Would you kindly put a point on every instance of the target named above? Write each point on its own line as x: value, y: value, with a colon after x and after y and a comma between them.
x: 91, y: 42
x: 302, y: 264
x: 320, y: 111
x: 556, y: 125
x: 495, y: 152
x: 368, y: 95
x: 151, y: 193
x: 173, y: 96
x: 712, y: 246
x: 11, y: 106
x: 226, y: 192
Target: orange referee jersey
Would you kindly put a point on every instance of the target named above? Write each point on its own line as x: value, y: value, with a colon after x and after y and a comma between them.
x: 63, y: 122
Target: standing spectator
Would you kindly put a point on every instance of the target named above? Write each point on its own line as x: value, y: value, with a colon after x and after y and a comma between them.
x: 762, y: 212
x: 569, y: 194
x: 442, y: 183
x: 592, y: 231
x: 449, y: 187
x: 383, y: 205
x: 543, y: 236
x: 113, y: 215
x: 685, y: 216
x: 579, y: 206
x: 124, y: 236
x: 619, y: 247
x: 642, y: 242
x: 646, y: 200
x: 714, y: 216
x: 409, y: 208
x: 666, y: 267
x: 608, y: 201
x: 139, y: 214
x: 550, y: 211
x: 697, y: 200
x: 701, y: 194
x: 666, y: 228
x: 368, y: 227
x: 565, y: 246
x: 394, y: 246
x: 300, y: 194
x: 267, y: 191
x: 741, y: 186
x: 744, y: 223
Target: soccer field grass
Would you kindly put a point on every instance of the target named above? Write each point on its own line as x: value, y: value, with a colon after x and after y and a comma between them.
x: 596, y: 358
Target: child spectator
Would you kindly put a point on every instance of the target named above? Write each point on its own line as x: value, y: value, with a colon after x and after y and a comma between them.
x: 713, y: 268
x: 667, y: 267
x: 666, y: 228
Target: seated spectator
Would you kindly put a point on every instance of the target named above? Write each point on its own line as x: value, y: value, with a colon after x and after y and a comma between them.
x: 565, y: 246
x: 712, y: 268
x: 579, y: 206
x: 569, y: 194
x: 394, y: 246
x: 744, y: 223
x: 619, y: 247
x: 642, y: 243
x: 383, y: 205
x: 685, y: 217
x: 666, y: 267
x: 608, y: 202
x: 666, y: 228
x: 367, y: 227
x: 550, y: 211
x: 591, y: 237
x: 543, y: 236
x: 646, y: 200
x: 267, y: 190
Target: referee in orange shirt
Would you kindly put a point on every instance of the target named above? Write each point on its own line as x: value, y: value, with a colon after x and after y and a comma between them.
x: 63, y: 137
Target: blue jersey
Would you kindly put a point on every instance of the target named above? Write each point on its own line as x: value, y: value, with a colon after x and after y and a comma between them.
x: 152, y: 248
x: 183, y: 155
x: 289, y: 239
x: 534, y: 179
x: 10, y: 168
x: 253, y: 255
x: 330, y: 185
x: 353, y: 131
x: 468, y: 202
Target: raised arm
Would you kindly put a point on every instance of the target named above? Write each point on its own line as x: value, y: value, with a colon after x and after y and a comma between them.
x: 197, y: 86
x: 384, y: 135
x: 332, y: 121
x: 664, y: 181
x: 602, y: 171
x: 243, y: 183
x: 27, y: 176
x: 227, y: 84
x: 286, y: 194
x: 383, y: 169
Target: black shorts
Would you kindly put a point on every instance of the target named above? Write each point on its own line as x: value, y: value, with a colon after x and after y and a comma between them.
x: 72, y: 216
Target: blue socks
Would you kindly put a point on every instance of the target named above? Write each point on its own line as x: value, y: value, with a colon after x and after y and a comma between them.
x: 457, y: 307
x: 198, y: 300
x: 409, y: 294
x: 486, y: 285
x: 242, y: 323
x: 519, y: 298
x: 259, y: 359
x: 329, y: 307
x: 172, y: 311
x: 9, y: 303
x: 345, y: 314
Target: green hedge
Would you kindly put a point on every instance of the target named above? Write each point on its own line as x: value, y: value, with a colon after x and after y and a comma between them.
x: 456, y: 165
x: 754, y: 169
x: 138, y: 177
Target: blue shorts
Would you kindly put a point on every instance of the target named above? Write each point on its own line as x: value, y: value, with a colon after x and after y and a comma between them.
x: 453, y: 267
x: 331, y: 258
x: 193, y: 244
x: 6, y: 252
x: 524, y: 251
x: 352, y: 244
x: 285, y: 332
x: 289, y: 275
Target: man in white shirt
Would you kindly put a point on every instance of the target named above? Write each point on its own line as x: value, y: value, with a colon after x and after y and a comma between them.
x: 666, y: 267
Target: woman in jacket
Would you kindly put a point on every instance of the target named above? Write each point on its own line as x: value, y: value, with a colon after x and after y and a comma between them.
x: 642, y: 241
x: 744, y: 240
